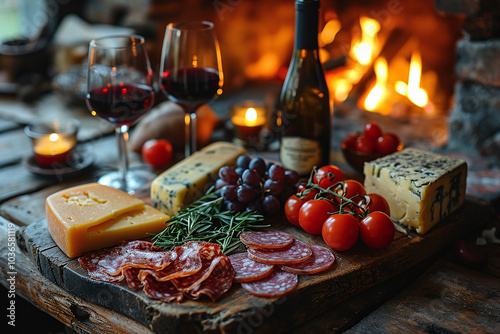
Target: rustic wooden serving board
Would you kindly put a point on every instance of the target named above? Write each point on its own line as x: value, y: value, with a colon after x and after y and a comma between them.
x: 353, y: 272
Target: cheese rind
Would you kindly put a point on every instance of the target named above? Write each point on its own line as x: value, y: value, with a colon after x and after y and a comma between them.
x: 421, y: 187
x: 188, y: 180
x: 94, y: 216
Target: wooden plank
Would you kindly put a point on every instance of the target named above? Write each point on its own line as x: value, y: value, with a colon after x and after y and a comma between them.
x: 74, y: 312
x: 447, y: 299
x: 356, y: 270
x: 14, y: 145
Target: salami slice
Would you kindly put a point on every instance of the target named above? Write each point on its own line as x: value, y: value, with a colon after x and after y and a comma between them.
x: 132, y: 277
x: 218, y: 283
x: 277, y: 284
x: 164, y: 291
x: 186, y: 263
x: 295, y: 253
x: 107, y: 265
x: 320, y: 260
x: 267, y: 240
x: 247, y: 269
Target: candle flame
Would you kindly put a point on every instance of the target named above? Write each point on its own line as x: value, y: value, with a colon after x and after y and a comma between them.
x: 53, y: 137
x: 195, y: 61
x: 251, y: 114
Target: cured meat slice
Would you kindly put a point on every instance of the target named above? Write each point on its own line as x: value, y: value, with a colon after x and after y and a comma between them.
x: 268, y: 240
x: 164, y: 291
x: 132, y: 277
x: 277, y: 284
x: 320, y: 260
x: 190, y: 282
x: 187, y: 262
x: 106, y: 264
x: 295, y: 253
x: 218, y: 283
x: 247, y: 269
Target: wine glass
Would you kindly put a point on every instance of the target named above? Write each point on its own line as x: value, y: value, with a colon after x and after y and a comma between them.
x: 191, y: 70
x: 120, y: 90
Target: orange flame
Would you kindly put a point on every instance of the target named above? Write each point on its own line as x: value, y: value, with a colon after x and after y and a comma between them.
x: 415, y: 94
x: 363, y: 50
x: 378, y: 91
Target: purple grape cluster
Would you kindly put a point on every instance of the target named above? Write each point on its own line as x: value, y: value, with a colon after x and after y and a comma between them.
x: 255, y: 185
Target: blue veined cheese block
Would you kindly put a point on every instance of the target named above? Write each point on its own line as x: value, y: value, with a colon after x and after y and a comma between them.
x: 421, y: 187
x: 189, y: 179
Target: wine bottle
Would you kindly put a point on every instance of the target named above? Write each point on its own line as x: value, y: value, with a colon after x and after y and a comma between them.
x: 304, y: 115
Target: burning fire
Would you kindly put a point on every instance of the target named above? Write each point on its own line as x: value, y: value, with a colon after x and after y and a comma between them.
x: 391, y: 85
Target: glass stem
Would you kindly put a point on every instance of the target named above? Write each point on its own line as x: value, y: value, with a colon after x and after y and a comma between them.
x: 190, y: 133
x: 122, y: 138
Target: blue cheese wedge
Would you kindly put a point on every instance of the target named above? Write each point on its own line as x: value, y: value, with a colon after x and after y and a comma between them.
x: 188, y: 180
x: 421, y: 187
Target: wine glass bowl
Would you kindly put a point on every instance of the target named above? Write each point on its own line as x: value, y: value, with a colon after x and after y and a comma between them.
x: 190, y: 70
x: 120, y: 91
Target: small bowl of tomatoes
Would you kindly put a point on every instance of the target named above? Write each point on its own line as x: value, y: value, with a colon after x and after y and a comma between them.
x: 369, y: 145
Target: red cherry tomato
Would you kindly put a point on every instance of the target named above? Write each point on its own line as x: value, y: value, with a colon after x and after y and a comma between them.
x: 312, y: 215
x: 470, y: 254
x: 292, y: 208
x: 365, y: 145
x: 372, y: 130
x: 350, y: 141
x: 375, y: 202
x: 395, y: 137
x: 353, y: 190
x: 340, y: 232
x: 377, y: 230
x: 157, y: 152
x: 327, y: 176
x: 386, y: 144
x: 309, y: 194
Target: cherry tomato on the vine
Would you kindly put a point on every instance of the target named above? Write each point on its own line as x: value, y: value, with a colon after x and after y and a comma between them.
x: 377, y: 230
x: 353, y: 190
x: 157, y: 152
x: 327, y: 176
x: 340, y: 232
x: 375, y: 202
x: 312, y: 215
x: 292, y: 208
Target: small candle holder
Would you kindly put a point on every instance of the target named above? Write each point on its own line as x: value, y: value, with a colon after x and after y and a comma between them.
x: 53, y: 142
x: 249, y: 118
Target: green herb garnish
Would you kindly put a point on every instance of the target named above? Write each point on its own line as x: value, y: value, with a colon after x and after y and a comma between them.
x: 204, y: 220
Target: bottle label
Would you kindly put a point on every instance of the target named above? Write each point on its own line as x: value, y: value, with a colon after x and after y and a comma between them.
x: 300, y: 154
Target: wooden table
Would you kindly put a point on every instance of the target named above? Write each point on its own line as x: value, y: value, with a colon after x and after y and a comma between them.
x: 436, y: 295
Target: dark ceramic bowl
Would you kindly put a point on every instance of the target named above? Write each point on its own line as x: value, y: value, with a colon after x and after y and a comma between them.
x: 357, y: 159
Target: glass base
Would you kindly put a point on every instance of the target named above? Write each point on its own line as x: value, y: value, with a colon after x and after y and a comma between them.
x: 135, y: 180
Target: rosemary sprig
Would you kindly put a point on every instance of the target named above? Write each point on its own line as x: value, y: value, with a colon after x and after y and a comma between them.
x: 204, y: 220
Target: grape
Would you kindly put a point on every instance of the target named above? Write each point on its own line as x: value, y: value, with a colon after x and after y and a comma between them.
x: 274, y: 187
x: 228, y: 192
x: 220, y: 183
x: 229, y: 175
x: 291, y: 177
x: 269, y: 165
x: 239, y: 170
x: 277, y: 173
x: 271, y: 204
x: 235, y: 206
x: 245, y: 193
x: 255, y: 206
x: 251, y: 177
x: 243, y: 161
x: 259, y: 165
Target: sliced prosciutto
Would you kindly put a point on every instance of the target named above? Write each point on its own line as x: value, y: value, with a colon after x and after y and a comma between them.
x: 268, y: 240
x: 247, y: 269
x: 107, y: 265
x: 295, y: 253
x: 320, y: 260
x: 277, y: 284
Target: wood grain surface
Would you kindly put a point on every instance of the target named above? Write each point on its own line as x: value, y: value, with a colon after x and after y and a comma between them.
x: 354, y: 271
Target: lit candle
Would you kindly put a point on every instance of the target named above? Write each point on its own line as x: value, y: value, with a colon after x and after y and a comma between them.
x: 53, y: 143
x: 248, y: 121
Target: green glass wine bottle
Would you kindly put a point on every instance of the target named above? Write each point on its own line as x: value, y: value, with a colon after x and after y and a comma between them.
x: 304, y: 115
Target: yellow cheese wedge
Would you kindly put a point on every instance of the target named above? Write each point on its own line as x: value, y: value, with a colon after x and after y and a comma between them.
x: 188, y: 180
x: 93, y: 216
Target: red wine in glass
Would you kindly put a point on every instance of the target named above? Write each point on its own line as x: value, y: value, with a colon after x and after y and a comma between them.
x: 121, y: 104
x: 191, y: 87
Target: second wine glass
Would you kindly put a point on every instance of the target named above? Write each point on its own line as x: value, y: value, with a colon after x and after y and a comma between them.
x: 190, y: 70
